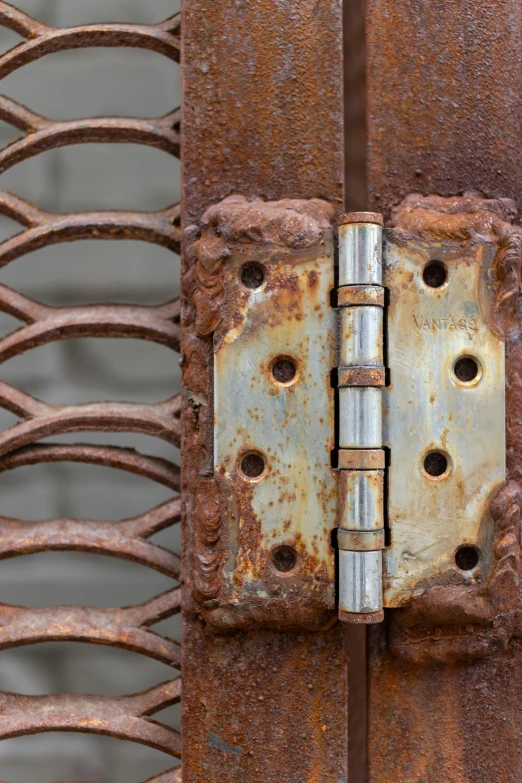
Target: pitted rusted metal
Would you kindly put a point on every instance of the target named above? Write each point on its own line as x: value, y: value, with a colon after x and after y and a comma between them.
x: 254, y: 126
x: 129, y: 627
x: 455, y: 690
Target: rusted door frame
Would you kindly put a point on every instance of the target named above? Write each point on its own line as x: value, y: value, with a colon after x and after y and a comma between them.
x: 262, y: 118
x: 444, y: 115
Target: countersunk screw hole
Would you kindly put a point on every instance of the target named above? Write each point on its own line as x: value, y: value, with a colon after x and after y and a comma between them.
x: 467, y: 558
x: 435, y: 274
x: 466, y: 369
x: 253, y: 276
x: 284, y: 559
x: 435, y: 463
x: 252, y: 465
x: 284, y: 370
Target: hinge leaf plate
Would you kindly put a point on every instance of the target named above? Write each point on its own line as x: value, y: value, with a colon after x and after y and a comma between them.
x: 429, y: 410
x: 288, y: 510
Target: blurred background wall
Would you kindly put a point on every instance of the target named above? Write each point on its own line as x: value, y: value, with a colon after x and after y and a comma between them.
x: 70, y: 85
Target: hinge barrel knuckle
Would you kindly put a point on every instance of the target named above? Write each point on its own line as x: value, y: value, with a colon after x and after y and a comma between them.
x: 361, y: 495
x: 361, y: 534
x: 360, y: 254
x: 360, y: 589
x: 361, y: 336
x: 360, y: 418
x: 361, y: 459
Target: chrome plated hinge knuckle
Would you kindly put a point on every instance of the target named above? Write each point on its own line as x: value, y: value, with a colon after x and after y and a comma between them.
x: 360, y: 378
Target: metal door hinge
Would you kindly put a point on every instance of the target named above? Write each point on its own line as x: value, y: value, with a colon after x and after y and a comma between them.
x: 359, y: 407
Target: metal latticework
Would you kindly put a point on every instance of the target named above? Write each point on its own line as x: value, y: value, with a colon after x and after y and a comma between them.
x: 127, y: 717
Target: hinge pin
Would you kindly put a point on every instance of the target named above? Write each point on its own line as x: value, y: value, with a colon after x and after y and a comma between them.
x: 361, y: 376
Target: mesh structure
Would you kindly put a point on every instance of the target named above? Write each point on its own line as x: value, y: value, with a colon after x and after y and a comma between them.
x: 127, y: 717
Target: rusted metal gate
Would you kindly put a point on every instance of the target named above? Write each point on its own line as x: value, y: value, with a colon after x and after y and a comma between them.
x: 265, y: 670
x: 129, y: 627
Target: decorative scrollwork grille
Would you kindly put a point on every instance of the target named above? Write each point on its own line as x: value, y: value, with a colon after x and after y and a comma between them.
x: 126, y: 717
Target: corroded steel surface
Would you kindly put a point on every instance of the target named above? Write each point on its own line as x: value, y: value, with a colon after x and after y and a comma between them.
x: 262, y: 119
x: 263, y: 97
x: 445, y: 113
x: 126, y: 717
x: 279, y: 713
x: 444, y: 87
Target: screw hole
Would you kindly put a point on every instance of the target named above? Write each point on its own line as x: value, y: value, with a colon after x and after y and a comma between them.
x: 284, y: 559
x: 253, y: 276
x: 467, y: 558
x: 284, y: 370
x: 435, y: 464
x: 252, y: 465
x: 435, y: 274
x: 466, y: 369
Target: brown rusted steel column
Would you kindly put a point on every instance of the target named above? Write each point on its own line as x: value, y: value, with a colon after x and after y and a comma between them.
x: 444, y: 98
x: 445, y: 113
x: 262, y: 117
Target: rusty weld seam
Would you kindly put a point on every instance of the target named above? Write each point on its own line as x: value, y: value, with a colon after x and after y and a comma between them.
x: 465, y: 218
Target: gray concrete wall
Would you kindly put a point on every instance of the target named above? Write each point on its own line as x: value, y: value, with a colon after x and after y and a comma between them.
x: 66, y: 85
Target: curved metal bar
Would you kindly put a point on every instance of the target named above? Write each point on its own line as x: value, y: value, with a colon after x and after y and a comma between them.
x: 43, y: 135
x: 102, y: 321
x: 91, y: 417
x: 128, y: 627
x: 125, y: 540
x: 125, y: 628
x: 45, y: 229
x: 174, y: 775
x: 155, y: 468
x: 122, y: 718
x: 20, y: 22
x: 42, y: 39
x: 22, y: 307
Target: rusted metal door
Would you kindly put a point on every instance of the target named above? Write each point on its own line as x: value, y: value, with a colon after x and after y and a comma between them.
x: 263, y: 140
